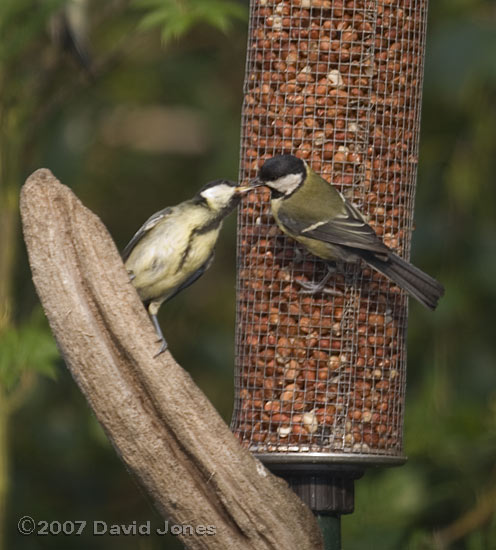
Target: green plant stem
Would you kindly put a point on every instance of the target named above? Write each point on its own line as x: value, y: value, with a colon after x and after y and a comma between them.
x: 4, y: 465
x: 8, y: 229
x: 9, y: 226
x: 470, y: 522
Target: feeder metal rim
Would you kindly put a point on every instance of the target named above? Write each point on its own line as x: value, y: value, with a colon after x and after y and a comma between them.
x: 332, y: 459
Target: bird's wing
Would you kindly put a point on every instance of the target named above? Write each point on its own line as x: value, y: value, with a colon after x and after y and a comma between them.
x: 194, y: 277
x: 145, y: 229
x: 348, y: 228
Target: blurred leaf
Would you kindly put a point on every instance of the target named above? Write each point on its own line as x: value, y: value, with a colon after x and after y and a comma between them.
x: 21, y: 21
x: 28, y: 347
x: 177, y: 17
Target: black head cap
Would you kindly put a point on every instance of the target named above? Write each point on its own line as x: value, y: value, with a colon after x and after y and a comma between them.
x: 280, y: 166
x: 217, y: 182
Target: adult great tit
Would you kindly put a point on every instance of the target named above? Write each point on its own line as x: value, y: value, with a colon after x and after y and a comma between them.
x: 175, y: 246
x: 312, y: 211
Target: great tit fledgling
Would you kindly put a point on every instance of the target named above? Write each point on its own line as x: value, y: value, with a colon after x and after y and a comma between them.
x: 316, y: 214
x: 175, y: 246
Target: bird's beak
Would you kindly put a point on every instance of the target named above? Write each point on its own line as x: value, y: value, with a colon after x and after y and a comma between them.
x: 243, y: 189
x: 255, y: 182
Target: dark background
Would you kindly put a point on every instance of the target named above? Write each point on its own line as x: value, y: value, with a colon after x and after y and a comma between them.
x: 161, y: 117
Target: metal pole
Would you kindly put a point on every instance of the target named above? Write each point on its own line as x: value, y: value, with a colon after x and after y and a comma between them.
x: 327, y: 489
x: 330, y: 525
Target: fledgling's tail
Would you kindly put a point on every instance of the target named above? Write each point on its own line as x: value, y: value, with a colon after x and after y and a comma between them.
x: 418, y: 284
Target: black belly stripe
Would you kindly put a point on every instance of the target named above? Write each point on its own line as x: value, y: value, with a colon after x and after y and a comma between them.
x: 217, y: 220
x: 211, y: 225
x: 186, y: 252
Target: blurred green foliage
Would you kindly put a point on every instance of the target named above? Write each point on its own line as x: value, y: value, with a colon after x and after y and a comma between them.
x: 27, y: 347
x: 83, y: 128
x: 175, y: 18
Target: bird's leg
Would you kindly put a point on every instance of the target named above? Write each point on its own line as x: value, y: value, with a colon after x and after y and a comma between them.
x: 314, y: 288
x: 131, y: 274
x: 161, y: 338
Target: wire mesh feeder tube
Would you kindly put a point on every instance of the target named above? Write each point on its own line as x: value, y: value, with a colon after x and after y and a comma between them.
x: 321, y: 379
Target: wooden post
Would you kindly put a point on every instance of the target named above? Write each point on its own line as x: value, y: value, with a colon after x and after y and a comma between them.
x: 163, y: 427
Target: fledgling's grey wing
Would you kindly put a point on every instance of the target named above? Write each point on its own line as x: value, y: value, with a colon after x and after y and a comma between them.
x: 193, y: 278
x: 347, y: 228
x: 144, y: 229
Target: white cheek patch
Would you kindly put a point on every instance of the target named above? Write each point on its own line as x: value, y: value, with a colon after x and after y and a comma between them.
x: 286, y: 184
x: 219, y: 195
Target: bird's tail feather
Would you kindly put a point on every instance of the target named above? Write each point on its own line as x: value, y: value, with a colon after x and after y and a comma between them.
x: 418, y: 284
